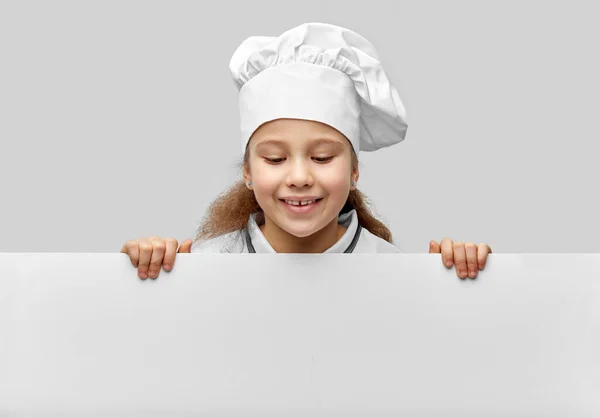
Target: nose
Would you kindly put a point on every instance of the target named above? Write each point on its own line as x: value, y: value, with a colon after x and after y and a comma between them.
x: 299, y: 174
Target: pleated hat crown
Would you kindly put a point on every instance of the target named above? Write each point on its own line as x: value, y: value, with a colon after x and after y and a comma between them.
x: 320, y: 72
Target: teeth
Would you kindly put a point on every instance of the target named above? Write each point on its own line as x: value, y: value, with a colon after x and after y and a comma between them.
x: 296, y: 203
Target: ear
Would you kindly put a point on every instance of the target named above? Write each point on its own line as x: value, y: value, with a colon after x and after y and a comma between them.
x: 354, y: 177
x: 247, y: 176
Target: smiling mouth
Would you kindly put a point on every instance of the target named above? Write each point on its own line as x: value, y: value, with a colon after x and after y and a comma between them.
x: 301, y: 209
x: 300, y: 204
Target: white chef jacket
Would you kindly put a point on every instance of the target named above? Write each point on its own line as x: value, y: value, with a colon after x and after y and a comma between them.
x: 356, y: 239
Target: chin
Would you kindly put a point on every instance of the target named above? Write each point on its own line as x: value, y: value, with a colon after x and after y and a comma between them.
x: 301, y: 234
x: 297, y: 230
x: 302, y: 229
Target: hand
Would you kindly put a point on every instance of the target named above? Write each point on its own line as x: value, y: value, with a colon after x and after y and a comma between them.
x: 466, y: 256
x: 148, y: 254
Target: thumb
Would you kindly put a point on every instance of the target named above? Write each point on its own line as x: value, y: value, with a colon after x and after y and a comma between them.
x: 434, y: 247
x: 185, y: 246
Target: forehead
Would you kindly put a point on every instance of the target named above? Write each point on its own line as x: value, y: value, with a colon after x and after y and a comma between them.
x: 287, y: 132
x: 260, y: 143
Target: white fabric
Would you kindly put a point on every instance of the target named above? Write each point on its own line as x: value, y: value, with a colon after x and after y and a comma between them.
x: 320, y: 72
x: 234, y: 242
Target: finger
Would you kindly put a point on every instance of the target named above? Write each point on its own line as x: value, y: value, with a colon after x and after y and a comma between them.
x: 158, y: 252
x: 186, y: 246
x: 131, y: 248
x: 460, y: 259
x: 170, y: 252
x: 471, y: 254
x: 447, y: 253
x: 145, y: 247
x: 434, y: 247
x: 482, y: 253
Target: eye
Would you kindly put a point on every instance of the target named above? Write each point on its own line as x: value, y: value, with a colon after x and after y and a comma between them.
x: 279, y: 160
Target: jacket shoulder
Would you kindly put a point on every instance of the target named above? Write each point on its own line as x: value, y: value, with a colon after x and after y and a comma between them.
x: 232, y: 242
x: 371, y: 243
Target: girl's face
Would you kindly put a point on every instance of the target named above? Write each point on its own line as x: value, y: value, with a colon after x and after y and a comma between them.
x: 300, y: 160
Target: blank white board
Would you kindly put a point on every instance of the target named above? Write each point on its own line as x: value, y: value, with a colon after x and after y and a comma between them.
x: 312, y: 335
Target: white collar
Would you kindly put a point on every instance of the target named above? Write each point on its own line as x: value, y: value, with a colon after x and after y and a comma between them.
x: 345, y: 244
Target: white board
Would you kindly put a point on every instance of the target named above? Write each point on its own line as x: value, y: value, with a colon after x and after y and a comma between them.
x: 337, y: 335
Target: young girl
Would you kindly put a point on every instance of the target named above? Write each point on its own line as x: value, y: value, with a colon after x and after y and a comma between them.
x: 309, y: 101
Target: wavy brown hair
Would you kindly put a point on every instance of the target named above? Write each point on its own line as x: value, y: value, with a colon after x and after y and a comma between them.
x: 231, y: 209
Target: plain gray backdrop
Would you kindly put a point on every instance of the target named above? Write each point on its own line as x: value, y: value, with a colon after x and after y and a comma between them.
x: 119, y: 119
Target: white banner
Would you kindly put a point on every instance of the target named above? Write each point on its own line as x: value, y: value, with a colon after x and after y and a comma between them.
x: 313, y: 335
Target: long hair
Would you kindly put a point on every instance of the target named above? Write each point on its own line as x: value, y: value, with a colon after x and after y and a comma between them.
x: 231, y: 209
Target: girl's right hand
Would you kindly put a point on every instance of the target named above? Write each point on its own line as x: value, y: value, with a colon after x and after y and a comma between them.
x: 148, y: 254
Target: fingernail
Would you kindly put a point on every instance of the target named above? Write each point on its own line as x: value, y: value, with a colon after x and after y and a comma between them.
x: 167, y: 267
x: 142, y: 275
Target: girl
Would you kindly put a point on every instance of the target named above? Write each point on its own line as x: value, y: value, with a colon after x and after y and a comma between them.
x: 309, y: 101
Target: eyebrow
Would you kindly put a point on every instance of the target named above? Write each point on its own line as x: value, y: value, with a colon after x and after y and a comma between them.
x: 318, y: 141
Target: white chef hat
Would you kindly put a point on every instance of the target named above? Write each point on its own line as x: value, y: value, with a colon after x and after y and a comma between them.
x: 319, y: 72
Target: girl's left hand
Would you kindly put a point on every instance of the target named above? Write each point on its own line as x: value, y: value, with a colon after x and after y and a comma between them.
x: 465, y: 256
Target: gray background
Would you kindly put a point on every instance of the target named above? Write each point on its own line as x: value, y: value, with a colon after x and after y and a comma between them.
x: 119, y: 120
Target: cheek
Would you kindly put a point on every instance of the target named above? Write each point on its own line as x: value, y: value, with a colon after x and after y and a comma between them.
x: 266, y: 182
x: 336, y: 180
